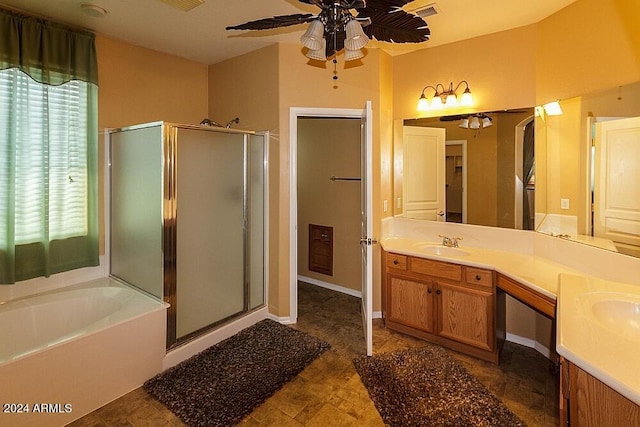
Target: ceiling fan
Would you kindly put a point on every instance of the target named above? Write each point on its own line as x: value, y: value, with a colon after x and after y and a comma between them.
x: 336, y: 28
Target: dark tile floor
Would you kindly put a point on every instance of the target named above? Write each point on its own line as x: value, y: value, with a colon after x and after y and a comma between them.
x: 329, y: 391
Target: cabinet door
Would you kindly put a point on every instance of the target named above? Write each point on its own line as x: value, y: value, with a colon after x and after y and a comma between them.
x: 411, y: 302
x: 465, y: 315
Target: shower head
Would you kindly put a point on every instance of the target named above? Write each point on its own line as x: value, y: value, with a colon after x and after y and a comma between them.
x: 236, y: 121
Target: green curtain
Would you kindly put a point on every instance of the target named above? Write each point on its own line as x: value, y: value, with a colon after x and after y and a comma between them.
x: 48, y: 148
x: 48, y: 52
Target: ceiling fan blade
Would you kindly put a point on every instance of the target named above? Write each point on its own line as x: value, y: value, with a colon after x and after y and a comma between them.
x: 395, y: 27
x: 275, y: 22
x: 314, y: 2
x: 387, y: 5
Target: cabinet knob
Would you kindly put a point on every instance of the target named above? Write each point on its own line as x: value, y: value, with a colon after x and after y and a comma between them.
x: 429, y: 290
x: 438, y: 292
x: 478, y: 277
x: 395, y: 262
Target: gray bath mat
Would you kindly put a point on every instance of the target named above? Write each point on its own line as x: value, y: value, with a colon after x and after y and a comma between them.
x: 425, y: 386
x: 224, y: 383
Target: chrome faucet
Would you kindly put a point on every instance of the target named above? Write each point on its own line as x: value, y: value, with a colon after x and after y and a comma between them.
x: 451, y: 242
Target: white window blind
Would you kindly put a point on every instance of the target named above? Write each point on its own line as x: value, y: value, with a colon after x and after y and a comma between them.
x: 43, y: 153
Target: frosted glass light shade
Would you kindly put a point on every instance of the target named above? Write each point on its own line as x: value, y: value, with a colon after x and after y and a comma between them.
x: 312, y: 38
x: 351, y: 55
x: 486, y: 122
x: 423, y: 104
x: 475, y: 123
x: 318, y: 54
x: 451, y: 101
x: 436, y: 103
x: 466, y: 100
x: 355, y: 38
x: 464, y: 123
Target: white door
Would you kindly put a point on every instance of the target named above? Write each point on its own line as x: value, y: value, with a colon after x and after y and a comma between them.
x: 366, y: 226
x: 424, y: 173
x: 617, y: 181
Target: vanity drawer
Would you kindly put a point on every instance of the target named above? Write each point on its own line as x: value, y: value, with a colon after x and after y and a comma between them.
x: 398, y: 262
x: 436, y: 268
x: 479, y: 276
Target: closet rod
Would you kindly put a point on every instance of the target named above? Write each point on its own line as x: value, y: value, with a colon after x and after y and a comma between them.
x: 336, y: 178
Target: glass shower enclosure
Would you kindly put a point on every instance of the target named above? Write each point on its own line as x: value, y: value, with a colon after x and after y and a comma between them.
x: 187, y: 220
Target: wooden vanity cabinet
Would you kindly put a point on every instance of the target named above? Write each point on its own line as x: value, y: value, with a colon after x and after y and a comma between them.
x: 445, y: 303
x: 585, y: 401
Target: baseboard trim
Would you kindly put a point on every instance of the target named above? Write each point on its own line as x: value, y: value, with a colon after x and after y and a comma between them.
x: 528, y: 342
x: 331, y: 286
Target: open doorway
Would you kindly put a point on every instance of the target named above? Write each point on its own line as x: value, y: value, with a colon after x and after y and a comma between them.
x: 328, y: 195
x: 456, y: 180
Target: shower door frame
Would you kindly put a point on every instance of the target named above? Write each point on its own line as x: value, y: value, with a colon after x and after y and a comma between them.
x: 170, y: 231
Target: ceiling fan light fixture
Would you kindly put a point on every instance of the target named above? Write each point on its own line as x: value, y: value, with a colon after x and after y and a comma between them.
x: 313, y: 37
x: 474, y: 123
x: 318, y: 54
x: 353, y: 54
x: 355, y: 36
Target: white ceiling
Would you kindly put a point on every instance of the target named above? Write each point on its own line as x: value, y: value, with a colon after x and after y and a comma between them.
x: 200, y: 34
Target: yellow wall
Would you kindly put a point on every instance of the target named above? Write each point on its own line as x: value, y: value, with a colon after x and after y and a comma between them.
x: 590, y: 45
x: 500, y: 70
x: 563, y: 157
x: 138, y: 85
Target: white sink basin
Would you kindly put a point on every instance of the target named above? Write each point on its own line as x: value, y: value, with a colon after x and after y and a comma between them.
x: 620, y: 313
x: 444, y: 251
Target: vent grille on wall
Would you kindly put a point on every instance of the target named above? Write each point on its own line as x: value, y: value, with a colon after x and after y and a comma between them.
x: 428, y: 10
x: 184, y: 5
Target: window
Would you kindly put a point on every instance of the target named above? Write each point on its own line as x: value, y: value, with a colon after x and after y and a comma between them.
x: 48, y: 151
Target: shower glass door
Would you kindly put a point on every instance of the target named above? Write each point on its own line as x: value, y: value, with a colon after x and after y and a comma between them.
x: 210, y: 228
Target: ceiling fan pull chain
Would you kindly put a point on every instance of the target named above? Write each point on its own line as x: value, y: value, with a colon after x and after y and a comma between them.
x: 335, y: 54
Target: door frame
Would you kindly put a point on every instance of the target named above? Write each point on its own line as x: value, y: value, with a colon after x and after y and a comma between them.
x: 463, y: 143
x: 520, y: 186
x: 294, y: 114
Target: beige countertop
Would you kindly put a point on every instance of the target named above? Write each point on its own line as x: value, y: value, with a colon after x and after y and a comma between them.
x: 539, y: 274
x: 602, y: 338
x: 596, y: 346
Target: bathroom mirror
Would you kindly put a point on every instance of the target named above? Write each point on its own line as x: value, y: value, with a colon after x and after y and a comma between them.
x: 591, y: 176
x: 480, y: 168
x: 559, y: 192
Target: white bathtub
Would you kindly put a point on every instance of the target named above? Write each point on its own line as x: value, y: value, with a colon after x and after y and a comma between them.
x: 67, y: 352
